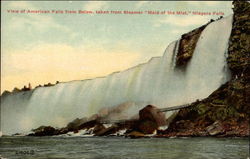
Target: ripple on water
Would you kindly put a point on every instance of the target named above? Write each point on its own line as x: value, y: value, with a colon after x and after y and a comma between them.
x: 120, y: 148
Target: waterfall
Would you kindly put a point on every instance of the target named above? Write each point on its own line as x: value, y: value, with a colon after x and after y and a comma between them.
x: 155, y: 82
x: 175, y: 52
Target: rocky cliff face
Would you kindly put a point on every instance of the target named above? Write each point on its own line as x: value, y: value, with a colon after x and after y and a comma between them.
x: 238, y: 52
x: 226, y: 111
x: 187, y: 45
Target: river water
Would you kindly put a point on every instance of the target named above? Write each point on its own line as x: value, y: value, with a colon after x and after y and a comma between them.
x: 123, y: 148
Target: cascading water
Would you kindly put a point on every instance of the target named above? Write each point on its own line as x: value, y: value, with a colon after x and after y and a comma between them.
x: 155, y: 82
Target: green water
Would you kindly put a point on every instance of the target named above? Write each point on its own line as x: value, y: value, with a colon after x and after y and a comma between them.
x: 123, y: 148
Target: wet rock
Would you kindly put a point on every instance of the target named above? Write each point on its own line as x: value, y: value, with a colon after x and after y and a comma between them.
x: 63, y: 131
x: 153, y: 114
x: 44, y: 131
x: 135, y: 134
x: 107, y: 131
x: 88, y: 124
x: 75, y: 124
x: 98, y: 128
x: 147, y: 127
x: 115, y: 128
x: 215, y: 129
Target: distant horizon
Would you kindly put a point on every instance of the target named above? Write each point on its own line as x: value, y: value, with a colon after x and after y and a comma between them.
x: 45, y: 48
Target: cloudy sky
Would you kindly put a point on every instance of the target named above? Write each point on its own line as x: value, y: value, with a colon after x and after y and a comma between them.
x: 42, y: 48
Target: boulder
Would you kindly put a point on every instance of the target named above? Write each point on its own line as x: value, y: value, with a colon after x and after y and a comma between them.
x: 215, y: 129
x: 88, y: 124
x: 135, y: 134
x: 75, y: 124
x: 44, y: 131
x: 150, y: 118
x: 63, y: 131
x: 147, y: 127
x: 98, y: 128
x: 107, y: 131
x: 153, y: 114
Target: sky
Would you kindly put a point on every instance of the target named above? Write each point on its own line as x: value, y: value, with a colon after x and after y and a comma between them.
x: 39, y: 48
